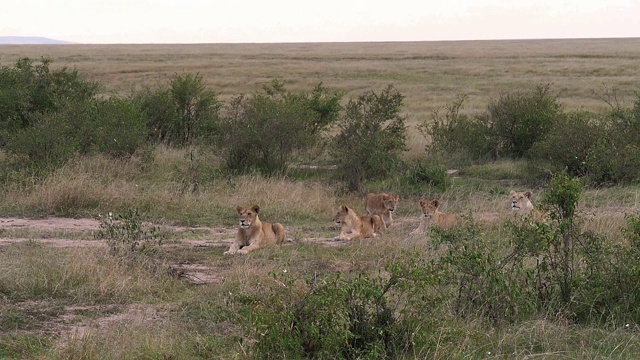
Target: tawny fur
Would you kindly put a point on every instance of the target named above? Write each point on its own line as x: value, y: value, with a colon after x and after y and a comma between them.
x: 522, y: 206
x: 354, y: 226
x: 383, y: 205
x: 253, y: 233
x: 431, y: 215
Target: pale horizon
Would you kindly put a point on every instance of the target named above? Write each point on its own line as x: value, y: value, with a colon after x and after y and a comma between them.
x: 287, y: 21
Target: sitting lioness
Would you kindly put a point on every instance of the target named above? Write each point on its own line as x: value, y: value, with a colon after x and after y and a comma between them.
x: 521, y: 204
x: 355, y: 226
x: 383, y: 205
x: 431, y: 215
x: 253, y: 233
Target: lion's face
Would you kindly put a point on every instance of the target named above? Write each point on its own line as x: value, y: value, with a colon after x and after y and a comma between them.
x: 341, y: 215
x: 247, y: 215
x: 391, y: 202
x: 429, y: 207
x: 521, y: 201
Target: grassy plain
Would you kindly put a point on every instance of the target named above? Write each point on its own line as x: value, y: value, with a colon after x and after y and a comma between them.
x: 60, y: 301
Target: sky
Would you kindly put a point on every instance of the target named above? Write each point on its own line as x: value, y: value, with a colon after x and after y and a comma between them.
x: 275, y: 21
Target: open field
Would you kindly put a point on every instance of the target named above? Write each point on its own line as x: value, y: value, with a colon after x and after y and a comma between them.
x: 63, y: 296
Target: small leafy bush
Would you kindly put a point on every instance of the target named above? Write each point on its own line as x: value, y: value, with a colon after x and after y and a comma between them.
x: 181, y: 112
x: 126, y: 234
x: 428, y: 174
x: 28, y: 89
x: 518, y: 120
x: 457, y: 134
x: 371, y: 138
x: 113, y: 126
x: 569, y: 143
x: 347, y: 317
x: 263, y: 131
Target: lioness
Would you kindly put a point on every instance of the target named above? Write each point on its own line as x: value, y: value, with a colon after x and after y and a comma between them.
x: 355, y: 226
x: 431, y: 215
x: 521, y: 204
x: 253, y: 233
x: 383, y: 205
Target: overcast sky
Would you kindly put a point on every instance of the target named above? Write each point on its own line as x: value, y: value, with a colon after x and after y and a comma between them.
x: 242, y: 21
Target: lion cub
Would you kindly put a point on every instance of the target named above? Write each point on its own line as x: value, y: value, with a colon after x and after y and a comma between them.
x: 383, y: 205
x: 521, y: 205
x: 355, y: 226
x: 431, y: 214
x: 253, y: 233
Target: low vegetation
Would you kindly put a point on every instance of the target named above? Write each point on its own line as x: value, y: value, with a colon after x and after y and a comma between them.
x: 166, y: 165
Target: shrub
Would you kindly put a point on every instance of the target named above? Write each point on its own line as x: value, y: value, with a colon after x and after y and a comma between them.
x: 517, y: 121
x: 510, y: 126
x: 126, y: 234
x: 114, y: 126
x: 264, y: 130
x: 27, y: 90
x: 181, y: 112
x: 371, y: 138
x: 347, y: 317
x: 569, y: 143
x: 615, y: 155
x: 430, y: 174
x: 455, y: 133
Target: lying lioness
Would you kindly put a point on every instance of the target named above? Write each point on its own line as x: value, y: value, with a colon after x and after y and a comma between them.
x: 355, y: 226
x: 253, y: 233
x: 431, y: 215
x: 383, y: 205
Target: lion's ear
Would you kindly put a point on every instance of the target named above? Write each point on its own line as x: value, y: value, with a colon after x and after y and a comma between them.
x: 256, y: 208
x: 528, y: 194
x: 513, y: 192
x: 436, y: 203
x: 239, y: 209
x: 422, y: 202
x: 344, y: 208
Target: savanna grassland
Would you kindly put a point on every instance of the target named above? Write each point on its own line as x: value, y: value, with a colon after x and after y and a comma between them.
x: 428, y: 74
x: 77, y: 283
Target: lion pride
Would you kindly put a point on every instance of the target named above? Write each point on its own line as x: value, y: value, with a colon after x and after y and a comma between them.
x: 253, y: 233
x: 383, y: 205
x: 354, y: 226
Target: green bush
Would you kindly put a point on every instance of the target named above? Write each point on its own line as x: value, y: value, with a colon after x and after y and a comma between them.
x: 457, y: 134
x: 371, y: 138
x: 430, y: 174
x: 615, y: 155
x: 181, y: 112
x: 569, y: 143
x: 347, y: 317
x: 510, y: 127
x: 264, y: 130
x: 126, y: 235
x: 29, y: 89
x: 114, y: 126
x: 518, y: 120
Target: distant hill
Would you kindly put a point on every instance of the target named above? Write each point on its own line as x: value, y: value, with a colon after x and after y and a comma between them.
x: 23, y: 40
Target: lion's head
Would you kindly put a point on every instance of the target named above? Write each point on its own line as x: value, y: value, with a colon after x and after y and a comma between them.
x: 429, y: 207
x: 247, y: 215
x: 390, y: 202
x: 343, y: 215
x: 521, y: 201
